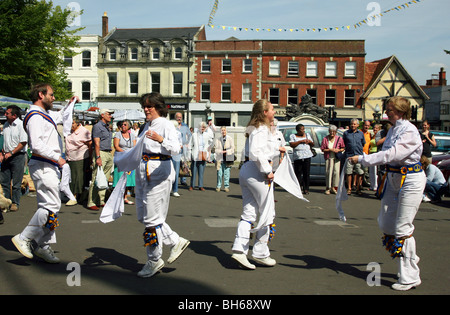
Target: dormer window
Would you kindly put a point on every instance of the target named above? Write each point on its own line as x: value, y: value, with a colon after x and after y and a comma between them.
x: 134, y: 54
x: 112, y: 54
x: 156, y: 53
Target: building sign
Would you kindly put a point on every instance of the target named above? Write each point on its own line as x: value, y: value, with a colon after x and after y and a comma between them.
x: 177, y: 106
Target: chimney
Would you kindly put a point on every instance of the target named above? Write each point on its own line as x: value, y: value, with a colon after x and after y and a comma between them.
x: 104, y: 24
x: 442, y: 77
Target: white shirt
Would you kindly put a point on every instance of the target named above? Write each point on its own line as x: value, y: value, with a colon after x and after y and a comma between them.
x: 262, y: 147
x: 14, y: 134
x: 303, y: 150
x: 43, y: 137
x: 403, y: 146
x: 166, y: 129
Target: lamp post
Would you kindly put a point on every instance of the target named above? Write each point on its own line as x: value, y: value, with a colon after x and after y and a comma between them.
x: 377, y: 114
x: 207, y: 109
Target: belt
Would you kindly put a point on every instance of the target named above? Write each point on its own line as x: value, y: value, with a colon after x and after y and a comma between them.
x: 153, y: 156
x: 406, y: 169
x: 43, y: 159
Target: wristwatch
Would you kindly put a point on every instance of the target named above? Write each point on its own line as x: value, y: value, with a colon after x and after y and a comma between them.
x: 97, y: 157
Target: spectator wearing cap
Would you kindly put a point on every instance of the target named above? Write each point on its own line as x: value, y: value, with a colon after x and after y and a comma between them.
x: 102, y: 157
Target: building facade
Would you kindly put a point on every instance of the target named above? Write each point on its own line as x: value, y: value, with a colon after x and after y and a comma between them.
x: 234, y: 74
x: 132, y: 62
x: 82, y: 72
x: 437, y: 108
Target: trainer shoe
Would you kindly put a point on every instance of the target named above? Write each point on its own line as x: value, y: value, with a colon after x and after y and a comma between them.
x: 177, y: 250
x: 23, y: 246
x: 47, y: 254
x: 243, y: 261
x: 71, y: 202
x: 269, y: 262
x: 175, y: 194
x: 405, y: 287
x: 150, y: 268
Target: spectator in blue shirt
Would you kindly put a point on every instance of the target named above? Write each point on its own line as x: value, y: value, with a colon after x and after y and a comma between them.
x: 354, y: 143
x: 436, y: 184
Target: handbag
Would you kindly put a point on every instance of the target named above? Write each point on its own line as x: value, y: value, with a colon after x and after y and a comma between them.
x: 185, y: 169
x: 100, y: 179
x: 339, y: 155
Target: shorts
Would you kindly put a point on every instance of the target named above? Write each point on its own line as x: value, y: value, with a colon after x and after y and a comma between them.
x: 354, y: 168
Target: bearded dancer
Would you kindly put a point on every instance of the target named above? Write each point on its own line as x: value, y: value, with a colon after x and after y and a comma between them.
x: 401, y: 189
x: 45, y: 164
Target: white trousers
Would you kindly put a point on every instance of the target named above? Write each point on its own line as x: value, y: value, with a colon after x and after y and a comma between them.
x: 46, y: 179
x: 152, y: 205
x: 398, y: 209
x: 254, y: 190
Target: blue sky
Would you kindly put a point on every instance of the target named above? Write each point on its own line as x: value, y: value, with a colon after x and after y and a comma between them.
x: 417, y: 35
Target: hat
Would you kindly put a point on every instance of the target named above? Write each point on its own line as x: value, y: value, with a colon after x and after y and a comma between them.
x: 105, y: 110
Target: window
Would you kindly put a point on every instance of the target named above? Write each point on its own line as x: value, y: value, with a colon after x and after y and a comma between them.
x: 247, y: 65
x: 246, y: 92
x: 112, y: 54
x: 293, y: 68
x: 155, y: 53
x: 350, y: 69
x: 274, y: 67
x: 226, y: 92
x: 311, y: 69
x: 205, y: 92
x: 178, y: 53
x: 68, y: 61
x: 330, y: 69
x: 292, y: 96
x: 349, y: 98
x: 330, y: 97
x: 206, y: 65
x: 86, y: 58
x: 134, y: 82
x: 313, y: 94
x: 112, y: 83
x: 155, y: 83
x: 86, y: 91
x: 226, y: 65
x: 274, y: 96
x: 134, y: 54
x: 177, y: 83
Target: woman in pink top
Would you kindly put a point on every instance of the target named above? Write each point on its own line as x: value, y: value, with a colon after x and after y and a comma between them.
x: 331, y: 146
x: 78, y: 150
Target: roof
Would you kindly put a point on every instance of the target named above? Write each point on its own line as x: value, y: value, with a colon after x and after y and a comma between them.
x: 374, y: 71
x: 165, y: 34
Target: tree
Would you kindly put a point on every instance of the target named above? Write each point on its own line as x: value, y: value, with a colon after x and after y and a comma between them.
x: 35, y: 37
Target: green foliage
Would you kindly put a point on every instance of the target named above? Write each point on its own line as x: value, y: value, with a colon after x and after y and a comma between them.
x: 35, y: 36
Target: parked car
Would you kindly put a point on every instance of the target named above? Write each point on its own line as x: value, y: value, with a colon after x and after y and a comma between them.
x: 442, y: 144
x: 317, y: 133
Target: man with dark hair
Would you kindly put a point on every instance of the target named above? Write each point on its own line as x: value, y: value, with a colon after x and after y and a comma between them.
x: 45, y: 164
x: 13, y: 155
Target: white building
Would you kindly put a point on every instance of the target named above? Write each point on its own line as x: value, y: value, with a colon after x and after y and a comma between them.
x: 82, y: 71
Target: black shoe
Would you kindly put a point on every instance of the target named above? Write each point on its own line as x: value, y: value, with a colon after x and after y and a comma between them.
x: 1, y: 218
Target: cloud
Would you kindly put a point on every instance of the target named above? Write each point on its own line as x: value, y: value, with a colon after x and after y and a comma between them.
x: 437, y: 65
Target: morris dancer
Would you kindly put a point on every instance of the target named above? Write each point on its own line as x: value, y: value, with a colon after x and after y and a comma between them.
x: 401, y: 189
x: 154, y: 178
x: 255, y: 179
x: 45, y: 163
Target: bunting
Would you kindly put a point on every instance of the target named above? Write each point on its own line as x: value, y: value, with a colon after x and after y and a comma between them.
x: 306, y: 29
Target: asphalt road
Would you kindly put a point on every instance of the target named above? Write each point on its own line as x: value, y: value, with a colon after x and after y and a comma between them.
x: 316, y: 253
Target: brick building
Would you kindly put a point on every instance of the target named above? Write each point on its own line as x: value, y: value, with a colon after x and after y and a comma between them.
x: 234, y: 74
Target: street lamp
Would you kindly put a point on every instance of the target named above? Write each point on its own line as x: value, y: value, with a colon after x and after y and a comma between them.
x: 377, y: 114
x: 208, y: 109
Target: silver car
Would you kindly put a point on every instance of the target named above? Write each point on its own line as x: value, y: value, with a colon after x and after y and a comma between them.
x: 317, y: 133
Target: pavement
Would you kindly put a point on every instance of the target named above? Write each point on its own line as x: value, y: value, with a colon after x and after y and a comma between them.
x: 316, y: 253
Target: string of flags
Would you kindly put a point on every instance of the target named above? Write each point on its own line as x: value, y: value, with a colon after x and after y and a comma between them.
x: 356, y: 25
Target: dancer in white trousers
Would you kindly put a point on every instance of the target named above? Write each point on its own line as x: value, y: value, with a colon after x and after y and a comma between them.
x: 401, y: 190
x: 255, y: 178
x: 154, y: 179
x: 45, y: 164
